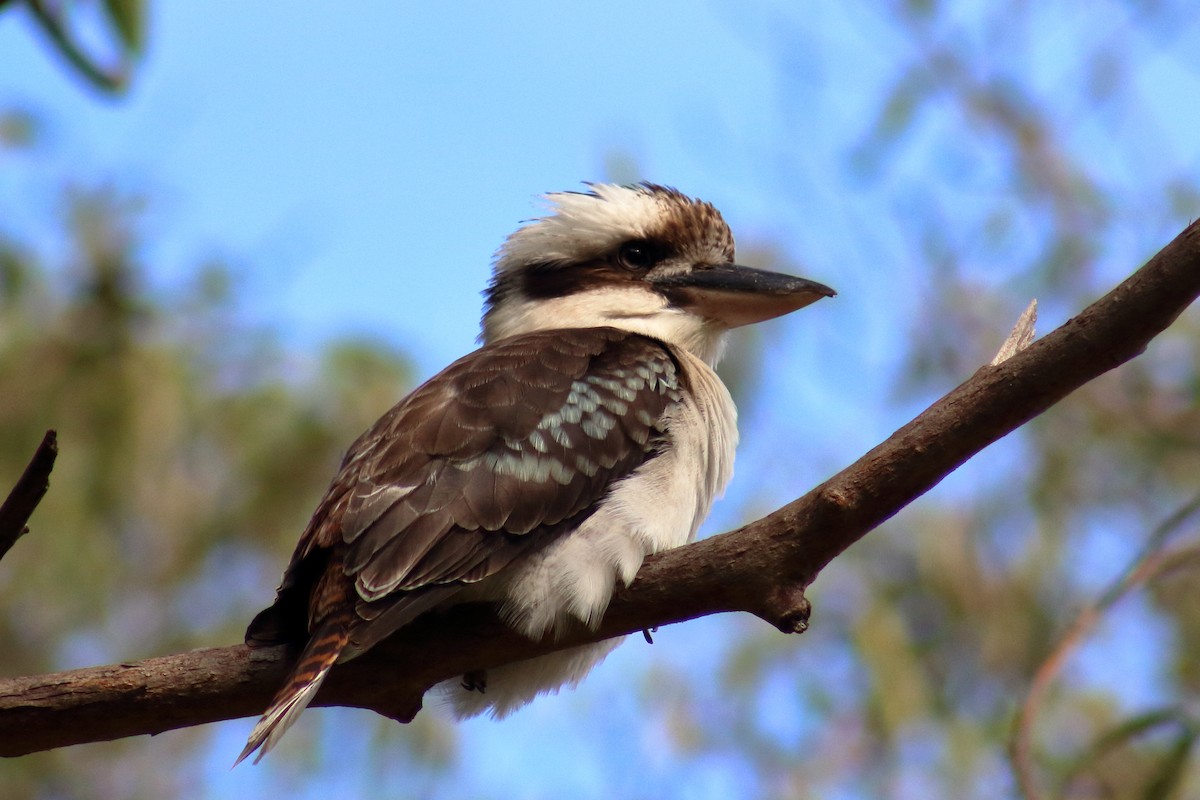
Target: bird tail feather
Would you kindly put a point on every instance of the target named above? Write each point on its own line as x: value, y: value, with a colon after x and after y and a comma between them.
x: 318, y: 656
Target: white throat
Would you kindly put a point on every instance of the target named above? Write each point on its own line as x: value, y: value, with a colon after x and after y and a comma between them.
x: 629, y: 308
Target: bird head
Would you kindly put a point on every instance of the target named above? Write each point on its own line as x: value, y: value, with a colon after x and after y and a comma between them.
x: 642, y: 258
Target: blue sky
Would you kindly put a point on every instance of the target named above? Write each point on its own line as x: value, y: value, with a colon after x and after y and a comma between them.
x: 363, y: 163
x: 357, y: 159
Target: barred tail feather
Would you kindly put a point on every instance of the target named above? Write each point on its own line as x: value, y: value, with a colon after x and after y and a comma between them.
x: 319, y: 655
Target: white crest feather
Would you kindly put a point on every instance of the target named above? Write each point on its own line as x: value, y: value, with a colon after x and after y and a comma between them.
x: 584, y: 223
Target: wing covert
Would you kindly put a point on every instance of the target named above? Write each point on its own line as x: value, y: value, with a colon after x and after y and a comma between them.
x: 512, y: 441
x: 499, y: 454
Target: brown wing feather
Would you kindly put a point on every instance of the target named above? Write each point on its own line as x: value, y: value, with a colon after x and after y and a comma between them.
x: 504, y: 450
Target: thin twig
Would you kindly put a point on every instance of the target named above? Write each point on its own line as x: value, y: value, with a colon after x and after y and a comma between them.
x: 1150, y: 562
x: 27, y: 493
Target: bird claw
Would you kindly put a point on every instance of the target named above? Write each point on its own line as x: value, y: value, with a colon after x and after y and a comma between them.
x: 475, y: 681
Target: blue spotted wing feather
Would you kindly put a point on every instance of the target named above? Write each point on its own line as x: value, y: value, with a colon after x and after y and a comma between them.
x: 502, y: 452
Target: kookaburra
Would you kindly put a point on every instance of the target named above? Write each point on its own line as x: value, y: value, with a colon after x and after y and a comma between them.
x: 587, y: 432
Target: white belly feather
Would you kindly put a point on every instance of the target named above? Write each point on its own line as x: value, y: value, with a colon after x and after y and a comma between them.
x: 659, y: 506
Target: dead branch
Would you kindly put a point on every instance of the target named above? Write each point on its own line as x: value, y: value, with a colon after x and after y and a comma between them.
x: 27, y: 493
x: 1021, y: 336
x: 762, y: 567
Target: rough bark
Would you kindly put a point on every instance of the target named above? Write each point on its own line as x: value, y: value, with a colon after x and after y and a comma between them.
x: 762, y: 568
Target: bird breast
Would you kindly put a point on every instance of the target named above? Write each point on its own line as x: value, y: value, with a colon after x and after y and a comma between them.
x: 657, y: 507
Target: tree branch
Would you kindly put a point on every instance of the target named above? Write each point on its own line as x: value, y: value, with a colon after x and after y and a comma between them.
x: 27, y: 493
x: 762, y: 567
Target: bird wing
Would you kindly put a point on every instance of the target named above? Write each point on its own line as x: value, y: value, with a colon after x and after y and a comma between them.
x: 503, y: 451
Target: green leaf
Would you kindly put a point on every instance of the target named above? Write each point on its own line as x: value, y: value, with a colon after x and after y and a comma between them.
x: 1173, y: 763
x: 1134, y: 727
x: 129, y: 18
x: 1164, y: 784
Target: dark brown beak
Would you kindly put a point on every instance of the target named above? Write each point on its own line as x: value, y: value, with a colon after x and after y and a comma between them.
x: 736, y: 295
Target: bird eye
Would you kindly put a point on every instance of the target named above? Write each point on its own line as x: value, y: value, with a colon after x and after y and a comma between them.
x: 637, y: 255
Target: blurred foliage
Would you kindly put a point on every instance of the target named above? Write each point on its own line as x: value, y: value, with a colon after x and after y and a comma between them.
x: 119, y: 26
x: 951, y: 609
x: 192, y: 449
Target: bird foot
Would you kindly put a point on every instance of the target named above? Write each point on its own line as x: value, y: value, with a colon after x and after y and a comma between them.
x: 475, y: 681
